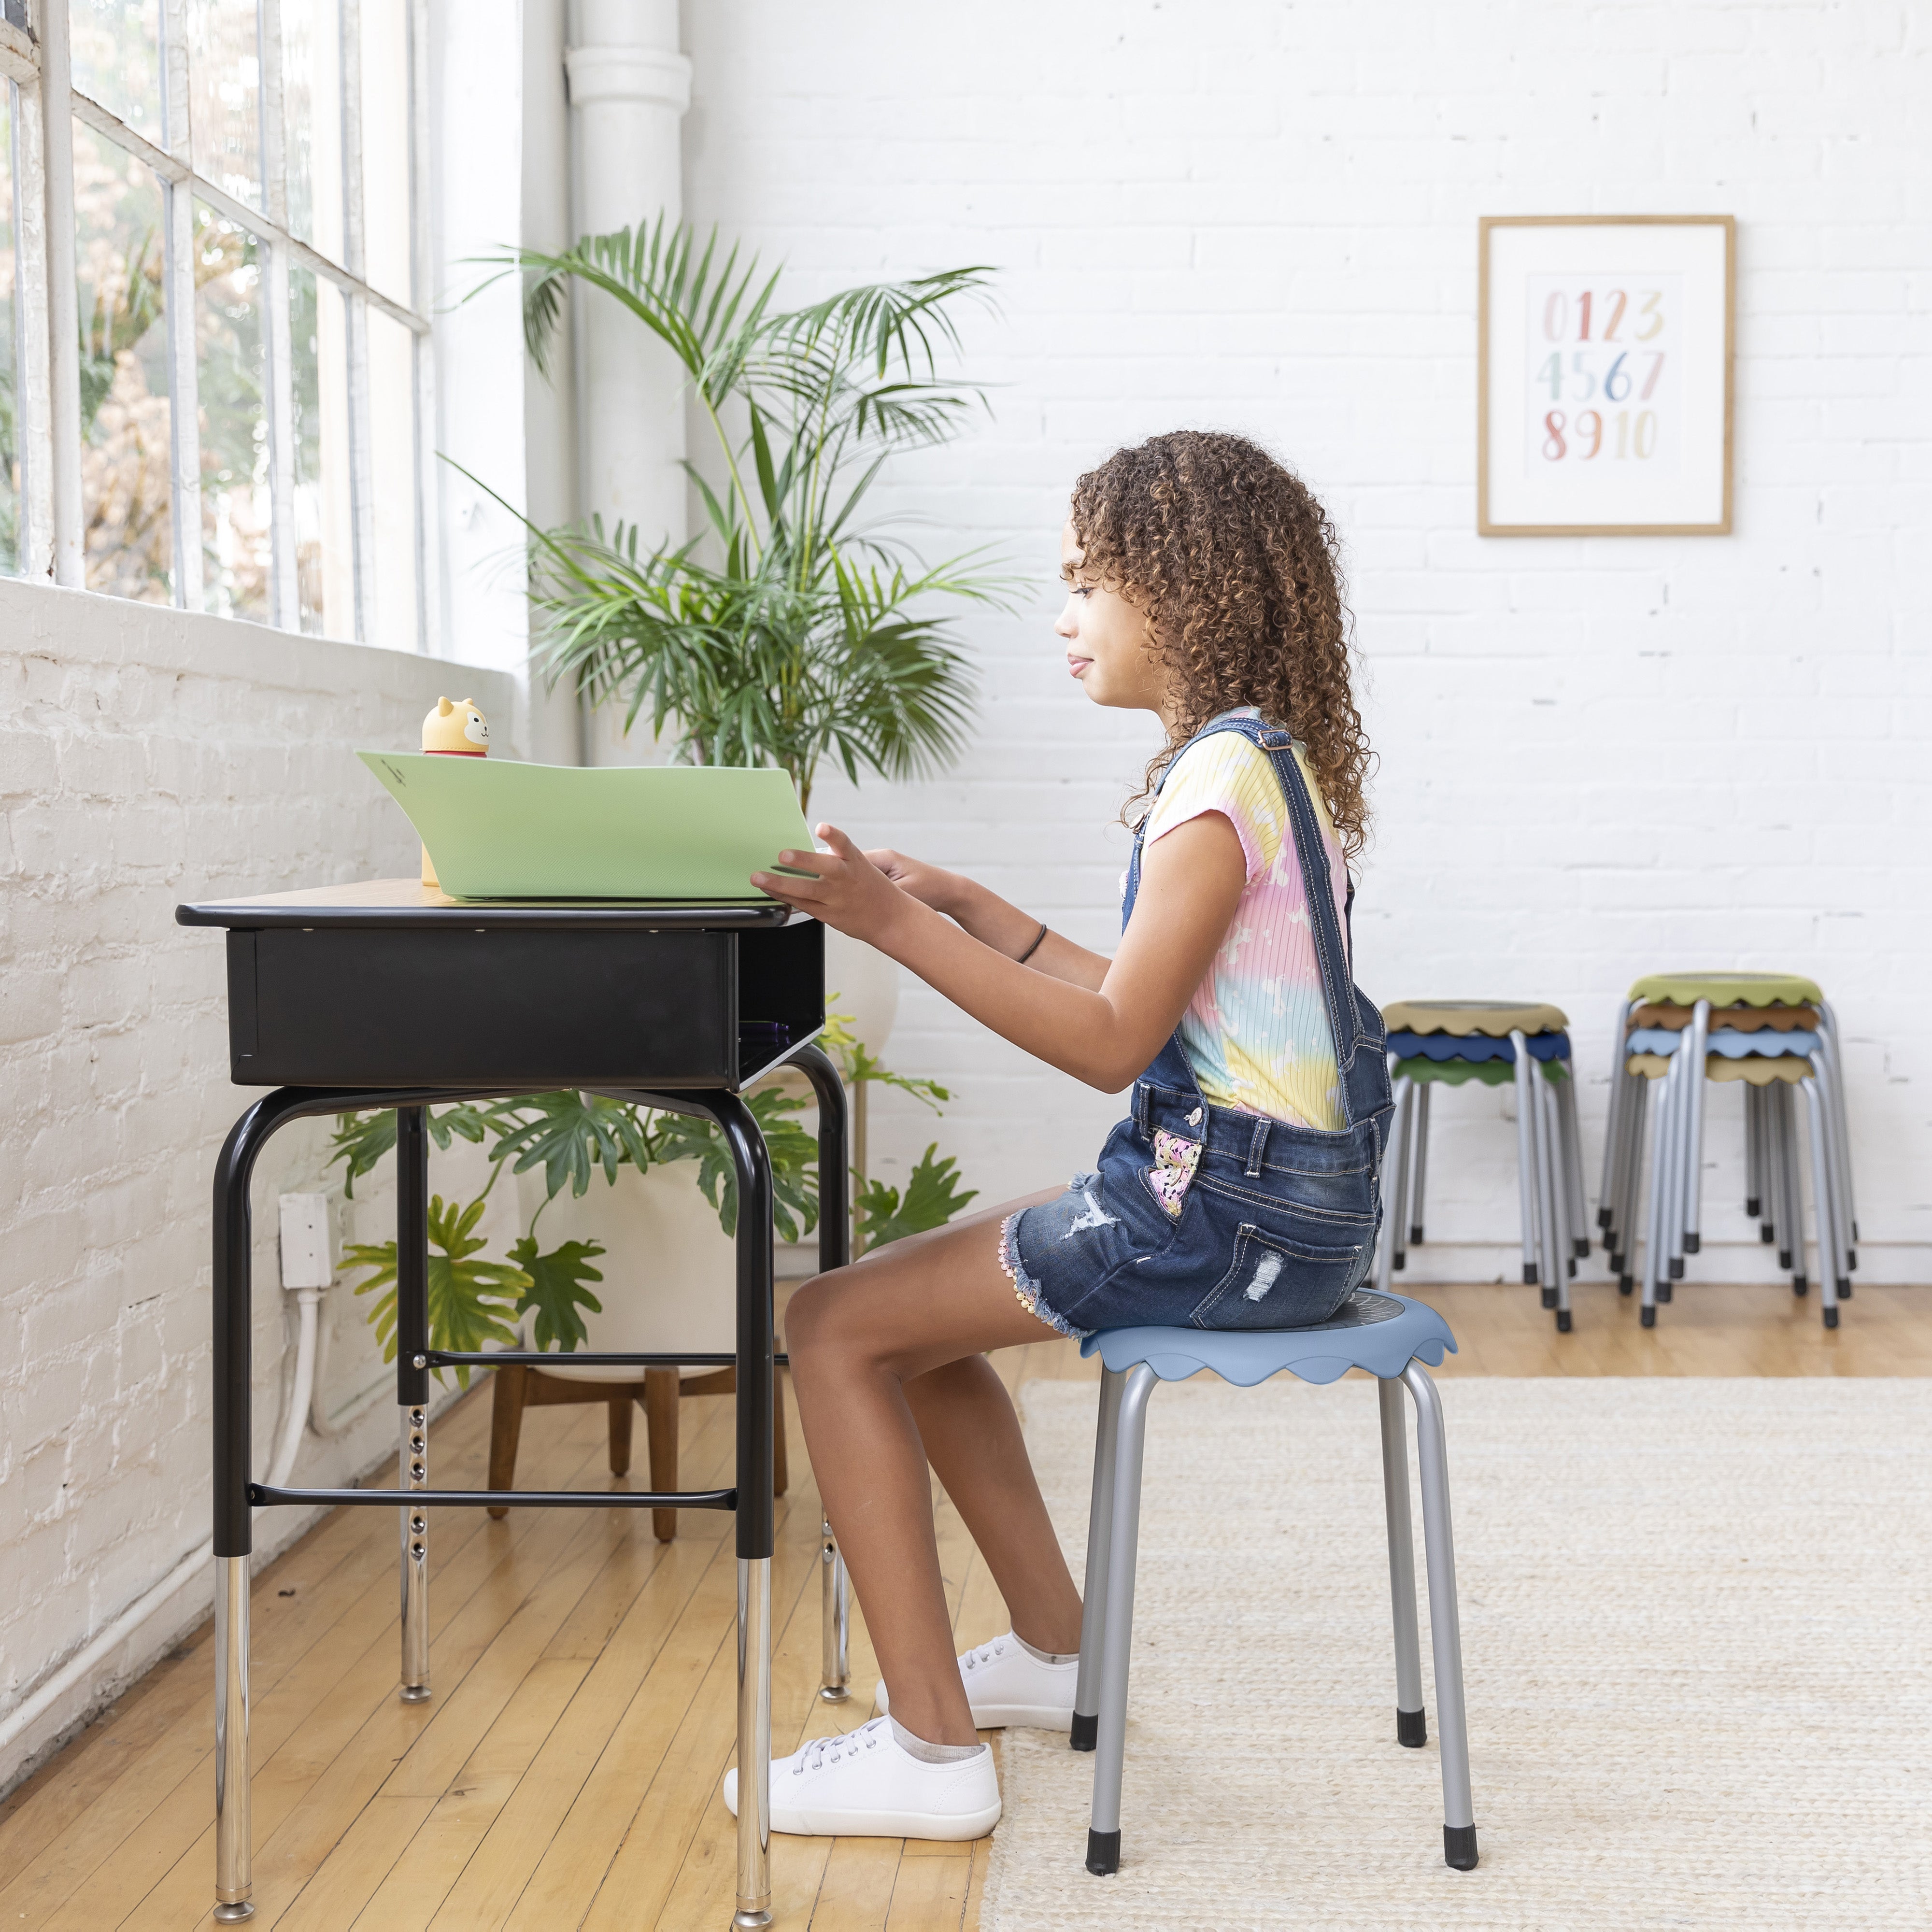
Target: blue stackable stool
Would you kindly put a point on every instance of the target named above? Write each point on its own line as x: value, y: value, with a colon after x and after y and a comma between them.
x: 1497, y: 1042
x: 1391, y: 1337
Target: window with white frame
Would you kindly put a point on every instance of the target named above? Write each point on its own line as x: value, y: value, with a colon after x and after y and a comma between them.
x: 214, y: 377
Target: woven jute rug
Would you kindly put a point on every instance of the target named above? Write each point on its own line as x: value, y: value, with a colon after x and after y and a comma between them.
x: 1697, y: 1641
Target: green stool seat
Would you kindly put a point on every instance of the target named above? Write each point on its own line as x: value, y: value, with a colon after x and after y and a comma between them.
x: 1729, y: 989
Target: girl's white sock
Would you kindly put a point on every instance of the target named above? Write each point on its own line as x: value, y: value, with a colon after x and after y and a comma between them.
x: 928, y: 1754
x: 1040, y: 1656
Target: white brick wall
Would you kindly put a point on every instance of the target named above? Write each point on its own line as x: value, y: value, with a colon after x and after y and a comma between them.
x: 1598, y: 757
x: 149, y: 756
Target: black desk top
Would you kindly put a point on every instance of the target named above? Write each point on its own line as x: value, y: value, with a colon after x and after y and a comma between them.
x: 374, y: 904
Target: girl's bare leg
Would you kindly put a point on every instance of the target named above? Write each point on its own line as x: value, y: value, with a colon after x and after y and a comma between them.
x: 856, y: 1338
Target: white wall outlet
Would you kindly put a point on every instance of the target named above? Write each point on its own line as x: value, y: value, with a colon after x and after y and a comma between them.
x: 308, y: 1256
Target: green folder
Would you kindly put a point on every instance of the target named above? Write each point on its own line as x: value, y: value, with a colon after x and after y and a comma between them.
x: 497, y: 830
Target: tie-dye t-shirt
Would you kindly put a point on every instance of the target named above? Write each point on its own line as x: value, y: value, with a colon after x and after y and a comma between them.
x: 1257, y: 1032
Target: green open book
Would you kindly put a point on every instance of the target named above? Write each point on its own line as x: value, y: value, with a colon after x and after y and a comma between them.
x: 496, y: 830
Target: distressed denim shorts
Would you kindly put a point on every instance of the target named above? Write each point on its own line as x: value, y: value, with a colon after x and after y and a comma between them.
x: 1201, y: 1217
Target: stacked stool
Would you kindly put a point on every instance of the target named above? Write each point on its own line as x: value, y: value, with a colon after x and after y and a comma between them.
x: 1446, y: 1043
x: 1774, y: 1034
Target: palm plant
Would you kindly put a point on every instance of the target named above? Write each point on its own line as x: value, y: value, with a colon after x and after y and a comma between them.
x: 793, y: 630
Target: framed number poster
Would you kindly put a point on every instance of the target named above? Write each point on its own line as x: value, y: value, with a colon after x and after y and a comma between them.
x: 1603, y: 375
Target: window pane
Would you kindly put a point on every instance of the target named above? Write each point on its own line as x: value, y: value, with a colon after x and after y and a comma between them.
x: 117, y: 59
x: 236, y: 554
x: 10, y: 441
x: 324, y: 541
x: 224, y: 79
x: 392, y: 471
x: 385, y: 147
x: 312, y: 117
x: 124, y: 371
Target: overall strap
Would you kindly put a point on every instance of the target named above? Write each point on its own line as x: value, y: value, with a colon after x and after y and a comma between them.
x: 1331, y: 951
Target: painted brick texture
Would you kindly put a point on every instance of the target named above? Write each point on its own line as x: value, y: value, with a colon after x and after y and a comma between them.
x: 1598, y: 757
x: 149, y: 756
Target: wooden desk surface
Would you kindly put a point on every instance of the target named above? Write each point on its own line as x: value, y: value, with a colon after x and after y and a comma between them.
x: 375, y: 903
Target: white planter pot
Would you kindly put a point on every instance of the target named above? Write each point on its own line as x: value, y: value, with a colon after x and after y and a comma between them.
x: 670, y: 1274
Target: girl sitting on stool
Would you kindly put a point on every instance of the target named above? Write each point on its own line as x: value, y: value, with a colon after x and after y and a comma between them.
x: 1240, y: 1193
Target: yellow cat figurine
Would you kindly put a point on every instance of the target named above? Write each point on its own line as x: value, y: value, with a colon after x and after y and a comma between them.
x: 454, y: 729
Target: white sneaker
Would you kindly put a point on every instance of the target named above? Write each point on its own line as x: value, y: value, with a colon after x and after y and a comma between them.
x: 864, y: 1785
x: 1007, y: 1684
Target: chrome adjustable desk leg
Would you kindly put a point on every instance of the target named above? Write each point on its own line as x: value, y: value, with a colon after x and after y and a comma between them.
x: 414, y: 1463
x: 835, y: 1619
x: 754, y: 1912
x: 232, y: 1875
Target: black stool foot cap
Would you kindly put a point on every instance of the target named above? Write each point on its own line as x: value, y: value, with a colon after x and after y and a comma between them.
x: 1086, y: 1731
x: 1563, y: 1321
x: 1650, y: 1318
x: 1751, y: 1208
x: 1799, y: 1286
x: 1625, y: 1283
x: 1400, y: 1262
x: 1844, y: 1289
x: 1766, y: 1233
x: 1411, y: 1728
x: 1664, y: 1291
x: 1831, y: 1318
x: 1675, y: 1270
x: 1579, y: 1245
x: 1458, y: 1846
x: 1415, y: 1235
x: 1529, y: 1274
x: 1603, y: 1217
x: 1784, y: 1258
x: 1103, y: 1853
x: 1691, y: 1242
x: 1550, y: 1297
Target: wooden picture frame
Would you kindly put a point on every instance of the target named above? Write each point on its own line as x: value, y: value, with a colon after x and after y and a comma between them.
x: 1565, y: 304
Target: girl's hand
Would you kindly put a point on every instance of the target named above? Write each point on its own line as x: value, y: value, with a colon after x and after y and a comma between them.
x: 846, y: 890
x: 929, y: 884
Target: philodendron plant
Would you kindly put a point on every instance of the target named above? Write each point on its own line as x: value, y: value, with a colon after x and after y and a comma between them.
x: 474, y: 1301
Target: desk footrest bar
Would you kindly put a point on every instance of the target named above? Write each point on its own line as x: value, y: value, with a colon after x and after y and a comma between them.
x: 262, y: 1494
x: 582, y: 1358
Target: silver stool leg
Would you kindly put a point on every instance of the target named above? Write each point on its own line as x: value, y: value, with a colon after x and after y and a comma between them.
x: 1824, y: 1063
x: 1620, y: 1095
x: 1419, y: 1178
x: 1654, y: 1217
x: 1572, y: 1162
x: 1395, y: 1219
x: 1445, y: 1629
x: 1525, y: 1158
x: 1099, y: 1539
x: 835, y: 1614
x: 232, y: 1871
x: 1753, y: 1159
x: 1821, y: 1190
x: 1835, y: 1040
x: 1694, y: 1152
x: 414, y: 1462
x: 1556, y: 1199
x: 1791, y: 1234
x: 1677, y: 1113
x: 1392, y: 1189
x: 1411, y: 1721
x: 1103, y: 1834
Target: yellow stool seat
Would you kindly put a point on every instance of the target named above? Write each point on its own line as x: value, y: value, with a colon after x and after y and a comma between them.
x: 1754, y: 1073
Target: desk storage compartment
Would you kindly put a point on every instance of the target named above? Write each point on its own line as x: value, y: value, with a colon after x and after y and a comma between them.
x: 507, y: 1010
x: 511, y: 1010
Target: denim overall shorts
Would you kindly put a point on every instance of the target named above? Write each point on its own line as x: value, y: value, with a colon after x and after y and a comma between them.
x: 1277, y: 1222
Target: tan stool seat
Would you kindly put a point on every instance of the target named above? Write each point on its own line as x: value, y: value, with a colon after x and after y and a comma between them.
x: 1494, y: 1019
x: 1733, y: 1019
x: 1756, y: 1072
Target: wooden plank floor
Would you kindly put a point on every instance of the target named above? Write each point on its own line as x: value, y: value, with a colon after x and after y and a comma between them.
x: 566, y: 1772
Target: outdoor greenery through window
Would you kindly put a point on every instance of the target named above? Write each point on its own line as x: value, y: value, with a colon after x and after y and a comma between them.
x: 235, y: 425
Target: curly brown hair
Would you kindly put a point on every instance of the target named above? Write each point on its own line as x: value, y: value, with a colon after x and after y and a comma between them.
x: 1233, y: 564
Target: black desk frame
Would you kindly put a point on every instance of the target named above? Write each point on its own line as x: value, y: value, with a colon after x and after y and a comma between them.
x: 750, y: 1498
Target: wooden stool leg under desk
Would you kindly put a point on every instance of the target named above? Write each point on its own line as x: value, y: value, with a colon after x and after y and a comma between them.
x: 506, y: 1426
x: 664, y: 1389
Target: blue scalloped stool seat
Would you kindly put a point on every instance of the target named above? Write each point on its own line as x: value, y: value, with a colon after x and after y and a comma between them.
x: 1380, y: 1332
x: 1391, y: 1337
x: 1476, y: 1046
